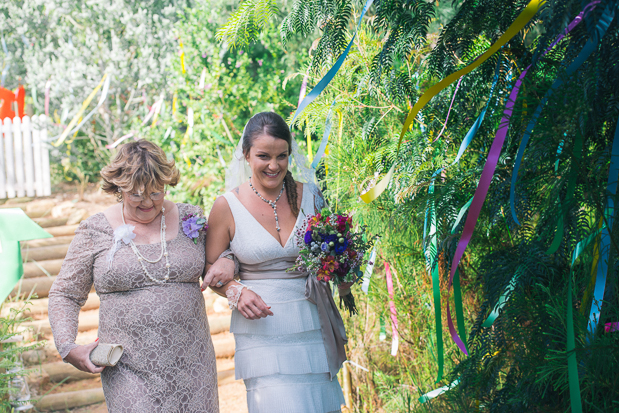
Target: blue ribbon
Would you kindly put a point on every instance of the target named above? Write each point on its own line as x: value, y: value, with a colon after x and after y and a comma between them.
x: 609, y: 212
x: 324, y: 82
x: 325, y: 138
x: 587, y: 50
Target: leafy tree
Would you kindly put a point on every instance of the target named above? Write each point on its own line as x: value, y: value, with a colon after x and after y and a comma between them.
x: 520, y: 362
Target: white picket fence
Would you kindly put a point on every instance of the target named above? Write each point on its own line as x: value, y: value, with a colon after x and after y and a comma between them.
x: 24, y: 157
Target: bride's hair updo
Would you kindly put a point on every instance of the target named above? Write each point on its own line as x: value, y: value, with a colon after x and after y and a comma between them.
x: 270, y: 123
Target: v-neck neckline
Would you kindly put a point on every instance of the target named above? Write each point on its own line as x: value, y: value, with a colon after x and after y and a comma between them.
x: 262, y: 226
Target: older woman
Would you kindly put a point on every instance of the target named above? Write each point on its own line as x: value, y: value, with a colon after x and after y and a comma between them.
x: 145, y: 267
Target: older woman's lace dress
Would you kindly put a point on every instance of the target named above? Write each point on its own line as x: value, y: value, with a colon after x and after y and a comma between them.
x: 169, y: 362
x: 282, y: 358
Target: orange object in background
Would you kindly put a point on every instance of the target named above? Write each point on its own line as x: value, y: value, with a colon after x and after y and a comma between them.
x: 7, y: 97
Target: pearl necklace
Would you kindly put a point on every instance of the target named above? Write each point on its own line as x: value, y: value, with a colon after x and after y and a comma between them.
x: 164, y: 249
x: 273, y: 204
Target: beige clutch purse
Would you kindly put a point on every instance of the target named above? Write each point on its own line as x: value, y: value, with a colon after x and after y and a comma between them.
x: 106, y: 354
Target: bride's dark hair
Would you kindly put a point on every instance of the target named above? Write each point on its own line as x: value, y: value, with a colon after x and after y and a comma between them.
x: 270, y: 123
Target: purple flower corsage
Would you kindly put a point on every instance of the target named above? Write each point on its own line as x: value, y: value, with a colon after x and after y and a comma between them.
x: 192, y: 225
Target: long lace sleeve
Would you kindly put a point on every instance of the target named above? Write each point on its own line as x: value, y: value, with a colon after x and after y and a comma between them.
x: 70, y: 290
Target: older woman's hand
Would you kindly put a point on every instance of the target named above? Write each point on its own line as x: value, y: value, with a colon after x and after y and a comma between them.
x: 251, y: 306
x: 220, y: 272
x: 80, y: 358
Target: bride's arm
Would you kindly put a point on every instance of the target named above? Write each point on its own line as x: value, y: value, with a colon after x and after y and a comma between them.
x: 218, y: 237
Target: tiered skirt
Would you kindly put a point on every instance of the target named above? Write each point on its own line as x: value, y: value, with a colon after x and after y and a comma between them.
x: 282, y: 358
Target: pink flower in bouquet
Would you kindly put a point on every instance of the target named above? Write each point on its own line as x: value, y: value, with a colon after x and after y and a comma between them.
x: 342, y: 220
x: 314, y: 221
x: 329, y: 265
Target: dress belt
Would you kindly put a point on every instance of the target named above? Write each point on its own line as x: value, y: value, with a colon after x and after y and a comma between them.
x: 316, y: 292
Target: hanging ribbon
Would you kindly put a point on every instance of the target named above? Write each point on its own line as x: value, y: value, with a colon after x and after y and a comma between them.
x: 48, y: 86
x: 383, y: 331
x: 153, y: 112
x: 569, y: 195
x: 431, y: 255
x: 182, y: 56
x: 105, y: 82
x: 437, y: 392
x: 369, y: 269
x: 324, y: 82
x: 325, y: 138
x: 504, y: 297
x: 523, y: 18
x: 609, y: 214
x: 5, y: 70
x: 449, y: 111
x: 394, y: 315
x: 586, y: 51
x: 572, y: 367
x: 484, y: 183
x: 594, y: 265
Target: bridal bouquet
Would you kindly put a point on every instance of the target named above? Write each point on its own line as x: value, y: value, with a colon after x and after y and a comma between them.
x: 331, y: 251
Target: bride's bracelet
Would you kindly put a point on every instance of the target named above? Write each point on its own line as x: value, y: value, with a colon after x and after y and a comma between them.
x: 234, y: 293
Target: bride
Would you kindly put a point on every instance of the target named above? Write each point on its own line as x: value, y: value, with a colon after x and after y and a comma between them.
x: 289, y: 334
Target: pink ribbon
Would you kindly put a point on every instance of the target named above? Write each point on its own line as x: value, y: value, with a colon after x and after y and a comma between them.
x: 394, y: 315
x: 611, y: 327
x: 449, y: 111
x: 488, y: 172
x: 48, y: 85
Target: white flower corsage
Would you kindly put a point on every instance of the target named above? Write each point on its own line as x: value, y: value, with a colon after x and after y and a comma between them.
x: 123, y: 233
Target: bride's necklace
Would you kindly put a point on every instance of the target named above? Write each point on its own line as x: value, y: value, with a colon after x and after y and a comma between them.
x: 273, y: 204
x: 164, y: 249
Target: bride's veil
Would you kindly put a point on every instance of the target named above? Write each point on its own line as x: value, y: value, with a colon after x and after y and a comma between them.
x: 238, y: 171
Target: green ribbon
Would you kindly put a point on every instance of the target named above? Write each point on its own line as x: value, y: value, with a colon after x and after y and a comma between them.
x: 15, y: 226
x: 383, y: 331
x: 569, y: 196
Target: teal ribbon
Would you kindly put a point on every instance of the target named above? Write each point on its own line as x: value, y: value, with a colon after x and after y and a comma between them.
x: 609, y: 212
x: 437, y: 392
x: 591, y: 45
x: 325, y: 138
x: 572, y: 367
x: 324, y: 82
x: 503, y: 298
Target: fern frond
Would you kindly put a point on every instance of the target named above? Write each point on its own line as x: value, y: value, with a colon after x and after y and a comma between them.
x: 244, y: 26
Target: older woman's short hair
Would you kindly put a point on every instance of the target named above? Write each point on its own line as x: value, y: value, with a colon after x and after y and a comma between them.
x: 139, y: 166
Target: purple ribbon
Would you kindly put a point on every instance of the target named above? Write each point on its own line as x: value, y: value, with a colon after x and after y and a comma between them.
x: 486, y: 176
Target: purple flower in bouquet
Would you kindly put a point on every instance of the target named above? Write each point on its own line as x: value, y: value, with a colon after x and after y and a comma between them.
x: 308, y: 237
x: 329, y: 238
x: 192, y: 225
x: 324, y: 247
x: 341, y: 247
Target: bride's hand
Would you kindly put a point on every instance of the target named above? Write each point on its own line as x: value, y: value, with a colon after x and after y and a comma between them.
x: 251, y: 306
x: 222, y: 271
x: 345, y: 286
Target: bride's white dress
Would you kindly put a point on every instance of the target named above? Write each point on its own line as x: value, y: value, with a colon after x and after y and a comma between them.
x: 282, y: 358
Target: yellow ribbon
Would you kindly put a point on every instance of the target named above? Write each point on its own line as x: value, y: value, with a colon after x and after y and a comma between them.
x: 79, y: 114
x: 182, y: 57
x: 523, y: 18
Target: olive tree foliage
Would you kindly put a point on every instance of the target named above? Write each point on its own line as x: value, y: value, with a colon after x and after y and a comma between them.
x: 72, y: 44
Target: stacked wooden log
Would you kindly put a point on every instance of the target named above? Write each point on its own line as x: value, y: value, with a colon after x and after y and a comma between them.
x: 71, y: 388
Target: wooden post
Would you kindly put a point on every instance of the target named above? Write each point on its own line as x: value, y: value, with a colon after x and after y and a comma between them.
x: 36, y: 154
x: 18, y: 147
x: 7, y: 129
x: 28, y: 158
x: 347, y: 385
